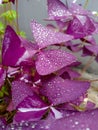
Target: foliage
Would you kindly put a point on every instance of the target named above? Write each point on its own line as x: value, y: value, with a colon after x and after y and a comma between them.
x: 41, y: 84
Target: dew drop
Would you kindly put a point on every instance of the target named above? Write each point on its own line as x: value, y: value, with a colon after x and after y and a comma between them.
x: 87, y: 128
x: 26, y: 124
x: 67, y: 115
x: 33, y: 126
x: 47, y: 127
x: 3, y: 126
x: 76, y: 123
x: 73, y: 126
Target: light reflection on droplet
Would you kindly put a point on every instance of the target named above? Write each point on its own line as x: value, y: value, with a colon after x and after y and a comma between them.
x: 87, y: 128
x: 76, y: 123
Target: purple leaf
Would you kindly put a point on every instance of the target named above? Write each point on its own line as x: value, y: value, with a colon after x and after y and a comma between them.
x: 90, y: 106
x: 30, y: 114
x: 73, y: 47
x: 75, y: 64
x: 45, y: 36
x: 12, y: 50
x: 62, y: 25
x: 71, y: 73
x: 89, y: 39
x: 60, y: 91
x: 80, y: 27
x: 96, y: 26
x: 32, y: 48
x: 32, y: 102
x: 77, y: 9
x: 30, y: 107
x: 16, y: 50
x: 2, y: 76
x: 3, y: 123
x: 12, y: 71
x: 89, y: 50
x: 52, y: 60
x: 51, y: 26
x: 68, y: 73
x: 80, y: 104
x: 71, y: 121
x: 57, y: 10
x: 20, y: 90
x: 13, y: 1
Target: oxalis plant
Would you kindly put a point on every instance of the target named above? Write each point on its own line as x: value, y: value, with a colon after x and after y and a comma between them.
x: 43, y: 84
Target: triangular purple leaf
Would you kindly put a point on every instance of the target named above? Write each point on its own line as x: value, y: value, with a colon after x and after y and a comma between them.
x: 30, y: 107
x: 80, y: 27
x: 57, y: 10
x: 16, y: 50
x: 77, y: 9
x: 32, y: 102
x: 32, y: 115
x: 45, y: 36
x: 89, y: 50
x: 20, y: 90
x: 71, y: 73
x: 12, y: 50
x: 50, y: 61
x: 73, y: 47
x: 60, y: 91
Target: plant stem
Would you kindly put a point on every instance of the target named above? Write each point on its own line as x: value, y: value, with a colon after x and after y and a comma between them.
x: 17, y: 16
x: 86, y: 3
x: 4, y: 9
x: 88, y: 80
x: 88, y: 63
x: 14, y: 21
x: 94, y: 80
x: 9, y: 82
x: 10, y: 11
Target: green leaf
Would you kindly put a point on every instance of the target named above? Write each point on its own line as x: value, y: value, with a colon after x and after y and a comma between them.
x: 1, y: 5
x: 1, y: 94
x: 9, y: 15
x: 22, y: 34
x: 5, y: 1
x: 4, y: 90
x: 2, y: 28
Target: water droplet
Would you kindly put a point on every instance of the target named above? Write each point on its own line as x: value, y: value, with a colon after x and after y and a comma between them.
x: 19, y: 128
x: 3, y: 126
x: 33, y: 126
x: 73, y: 126
x: 47, y: 127
x: 70, y: 120
x: 67, y: 115
x: 76, y: 123
x: 87, y: 128
x: 73, y: 113
x: 41, y: 127
x: 26, y: 124
x: 92, y: 113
